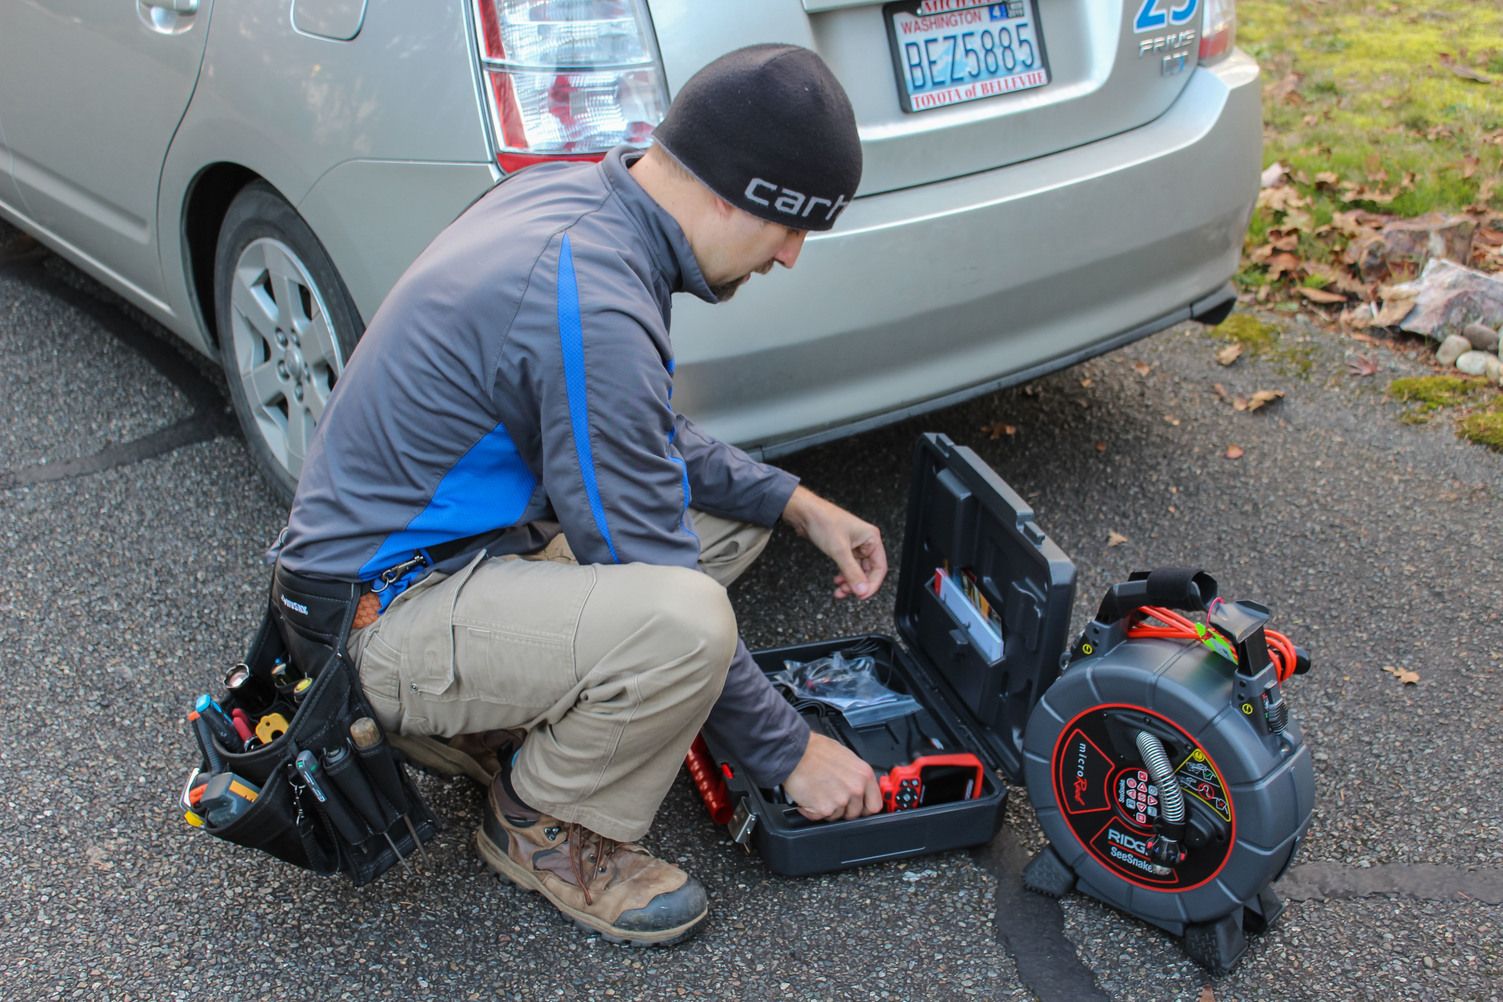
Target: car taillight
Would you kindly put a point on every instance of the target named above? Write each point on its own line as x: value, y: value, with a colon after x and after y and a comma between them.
x: 1218, y: 32
x: 568, y: 79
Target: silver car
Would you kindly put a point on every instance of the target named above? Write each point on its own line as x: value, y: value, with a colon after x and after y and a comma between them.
x: 1045, y: 179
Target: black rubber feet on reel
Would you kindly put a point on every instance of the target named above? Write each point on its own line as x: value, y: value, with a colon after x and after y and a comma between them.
x: 1218, y: 946
x: 1047, y: 874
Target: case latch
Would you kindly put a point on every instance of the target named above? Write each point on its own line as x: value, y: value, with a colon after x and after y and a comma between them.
x: 742, y: 823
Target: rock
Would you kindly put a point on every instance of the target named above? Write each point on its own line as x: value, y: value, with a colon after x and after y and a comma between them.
x: 1406, y: 245
x: 1480, y: 363
x: 1481, y: 336
x: 1452, y: 348
x: 1447, y: 297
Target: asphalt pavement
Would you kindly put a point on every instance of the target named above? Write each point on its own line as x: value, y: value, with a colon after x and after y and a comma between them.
x: 133, y: 524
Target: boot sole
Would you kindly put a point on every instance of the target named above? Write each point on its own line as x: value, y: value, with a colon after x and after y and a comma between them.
x: 438, y: 758
x: 498, y: 860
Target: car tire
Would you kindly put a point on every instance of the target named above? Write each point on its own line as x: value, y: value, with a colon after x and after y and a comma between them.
x: 286, y: 326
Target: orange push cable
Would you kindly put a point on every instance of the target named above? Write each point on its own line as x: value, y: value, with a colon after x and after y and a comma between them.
x: 1177, y: 627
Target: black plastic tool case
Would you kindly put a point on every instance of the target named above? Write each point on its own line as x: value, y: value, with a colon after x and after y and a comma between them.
x: 961, y: 515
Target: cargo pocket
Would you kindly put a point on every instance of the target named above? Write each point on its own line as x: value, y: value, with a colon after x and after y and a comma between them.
x: 380, y: 671
x: 515, y: 630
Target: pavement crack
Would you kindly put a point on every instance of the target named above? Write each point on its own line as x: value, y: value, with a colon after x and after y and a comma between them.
x: 1428, y: 881
x: 1031, y: 927
x: 162, y: 355
x: 207, y: 421
x: 191, y: 429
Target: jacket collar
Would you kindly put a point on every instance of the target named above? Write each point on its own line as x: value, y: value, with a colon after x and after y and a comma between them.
x: 666, y: 243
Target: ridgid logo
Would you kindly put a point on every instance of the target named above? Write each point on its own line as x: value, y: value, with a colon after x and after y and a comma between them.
x: 794, y: 203
x: 294, y: 606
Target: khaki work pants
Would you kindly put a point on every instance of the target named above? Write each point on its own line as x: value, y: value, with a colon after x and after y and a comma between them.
x: 610, y: 669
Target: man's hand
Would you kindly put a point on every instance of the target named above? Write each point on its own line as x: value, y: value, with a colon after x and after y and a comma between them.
x: 854, y: 545
x: 831, y: 782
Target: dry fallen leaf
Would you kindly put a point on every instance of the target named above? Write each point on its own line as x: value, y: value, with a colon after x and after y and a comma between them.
x: 1207, y: 994
x: 1235, y: 452
x: 1142, y: 368
x: 1324, y: 297
x: 1469, y: 164
x: 1404, y: 675
x: 1219, y: 390
x: 1262, y: 398
x: 1229, y: 354
x: 1087, y: 382
x: 1393, y: 311
x: 997, y: 429
x: 1282, y: 199
x: 1327, y: 179
x: 1467, y: 73
x: 1174, y: 421
x: 1362, y: 365
x: 1115, y: 539
x: 1281, y: 264
x: 1273, y: 175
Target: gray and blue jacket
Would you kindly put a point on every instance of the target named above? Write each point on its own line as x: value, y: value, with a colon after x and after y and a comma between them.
x: 518, y: 381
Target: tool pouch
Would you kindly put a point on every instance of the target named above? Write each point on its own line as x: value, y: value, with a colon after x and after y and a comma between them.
x: 371, y: 815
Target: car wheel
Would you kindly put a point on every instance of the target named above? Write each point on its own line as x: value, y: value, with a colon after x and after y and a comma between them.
x: 286, y: 326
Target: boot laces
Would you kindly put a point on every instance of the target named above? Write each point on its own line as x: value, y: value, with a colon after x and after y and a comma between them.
x: 583, y: 844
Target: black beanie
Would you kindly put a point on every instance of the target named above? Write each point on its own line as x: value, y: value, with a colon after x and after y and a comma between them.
x: 769, y: 129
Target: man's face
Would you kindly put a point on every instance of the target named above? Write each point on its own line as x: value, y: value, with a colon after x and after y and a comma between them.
x: 743, y: 244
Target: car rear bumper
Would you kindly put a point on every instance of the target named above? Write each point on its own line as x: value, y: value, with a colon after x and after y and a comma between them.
x: 926, y: 296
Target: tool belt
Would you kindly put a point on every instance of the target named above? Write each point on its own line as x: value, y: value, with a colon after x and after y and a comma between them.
x: 293, y: 762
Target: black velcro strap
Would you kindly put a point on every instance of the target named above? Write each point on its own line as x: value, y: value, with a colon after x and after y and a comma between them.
x: 1186, y: 588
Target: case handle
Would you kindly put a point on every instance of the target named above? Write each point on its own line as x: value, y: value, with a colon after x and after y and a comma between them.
x: 1188, y: 589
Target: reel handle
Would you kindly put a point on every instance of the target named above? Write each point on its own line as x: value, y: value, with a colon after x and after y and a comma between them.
x: 1188, y: 589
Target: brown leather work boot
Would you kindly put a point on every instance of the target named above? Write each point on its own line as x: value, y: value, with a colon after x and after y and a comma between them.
x: 617, y: 889
x: 477, y: 756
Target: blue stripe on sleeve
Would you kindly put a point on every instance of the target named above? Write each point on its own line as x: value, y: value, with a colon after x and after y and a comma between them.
x: 571, y: 342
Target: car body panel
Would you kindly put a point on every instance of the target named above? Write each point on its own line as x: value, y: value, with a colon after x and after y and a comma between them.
x: 418, y: 199
x: 1031, y: 262
x: 319, y: 104
x: 926, y: 293
x: 1099, y: 84
x: 90, y: 179
x: 337, y: 20
x: 8, y: 193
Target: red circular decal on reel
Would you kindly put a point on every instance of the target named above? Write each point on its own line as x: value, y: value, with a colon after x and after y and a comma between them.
x: 1110, y: 804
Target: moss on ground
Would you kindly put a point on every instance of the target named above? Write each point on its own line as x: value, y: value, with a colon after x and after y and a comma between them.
x: 1253, y: 334
x: 1484, y: 429
x: 1429, y: 394
x: 1262, y: 339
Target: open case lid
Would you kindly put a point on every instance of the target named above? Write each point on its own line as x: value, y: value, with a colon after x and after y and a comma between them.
x: 983, y: 595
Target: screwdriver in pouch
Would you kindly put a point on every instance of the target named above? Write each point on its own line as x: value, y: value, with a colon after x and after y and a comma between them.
x: 334, y: 806
x: 342, y: 770
x: 206, y: 741
x: 219, y: 723
x: 380, y: 767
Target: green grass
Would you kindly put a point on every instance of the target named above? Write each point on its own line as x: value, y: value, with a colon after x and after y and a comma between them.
x: 1375, y: 97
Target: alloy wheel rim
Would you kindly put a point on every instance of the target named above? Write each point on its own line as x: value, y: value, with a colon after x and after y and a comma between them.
x: 287, y: 357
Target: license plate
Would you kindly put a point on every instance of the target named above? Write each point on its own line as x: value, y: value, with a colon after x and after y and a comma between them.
x: 951, y: 51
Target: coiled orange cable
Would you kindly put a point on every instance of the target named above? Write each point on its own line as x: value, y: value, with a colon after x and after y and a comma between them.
x: 1177, y: 627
